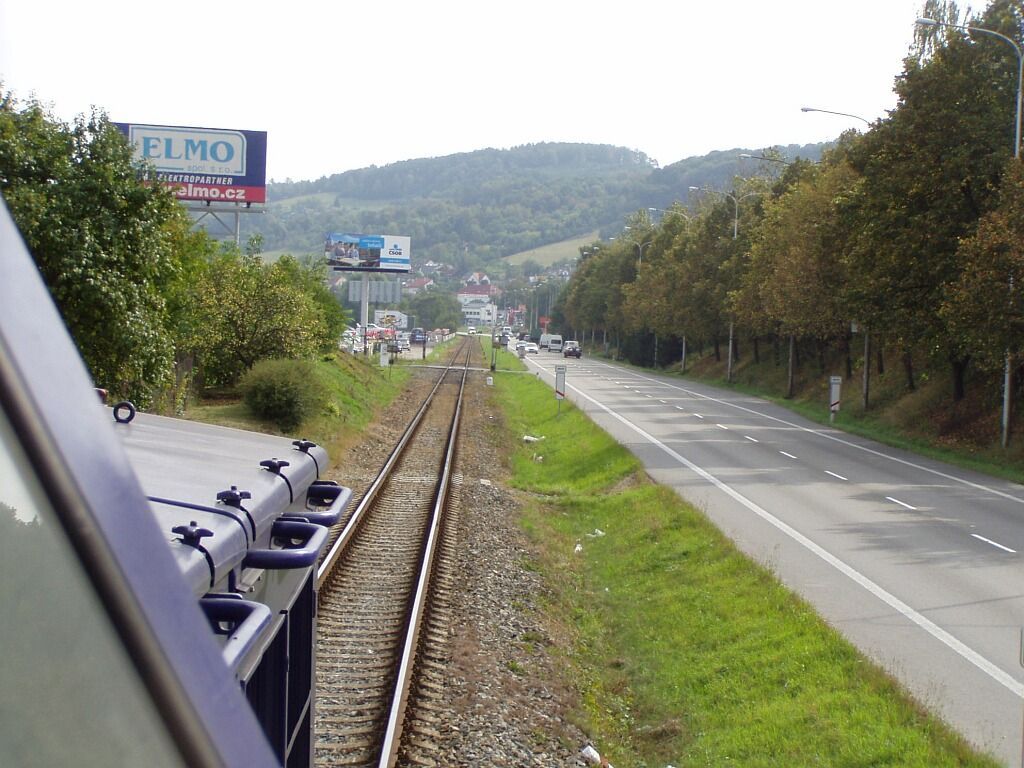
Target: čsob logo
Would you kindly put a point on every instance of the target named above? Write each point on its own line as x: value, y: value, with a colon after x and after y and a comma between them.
x: 395, y: 250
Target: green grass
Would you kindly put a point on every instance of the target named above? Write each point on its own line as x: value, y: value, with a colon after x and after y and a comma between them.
x: 548, y: 255
x: 357, y: 388
x: 686, y: 651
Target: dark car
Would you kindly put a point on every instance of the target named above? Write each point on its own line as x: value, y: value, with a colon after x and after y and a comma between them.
x: 572, y: 349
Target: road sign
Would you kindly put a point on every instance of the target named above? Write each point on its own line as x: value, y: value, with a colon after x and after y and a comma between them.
x: 835, y: 385
x: 559, y: 382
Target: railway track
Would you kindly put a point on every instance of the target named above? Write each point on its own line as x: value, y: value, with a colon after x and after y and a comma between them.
x: 382, y: 638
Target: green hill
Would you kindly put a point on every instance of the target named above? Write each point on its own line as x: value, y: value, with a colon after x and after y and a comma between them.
x: 474, y: 209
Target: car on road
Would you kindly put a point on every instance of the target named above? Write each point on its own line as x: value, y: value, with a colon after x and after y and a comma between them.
x: 572, y: 349
x: 531, y: 348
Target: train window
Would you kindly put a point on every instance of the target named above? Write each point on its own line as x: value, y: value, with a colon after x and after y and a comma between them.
x: 69, y: 694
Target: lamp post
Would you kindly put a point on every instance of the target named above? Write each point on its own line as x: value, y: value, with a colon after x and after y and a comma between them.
x: 640, y: 247
x: 736, y: 205
x: 925, y: 22
x: 830, y: 112
x: 1020, y: 66
x: 666, y: 211
x: 735, y: 232
x: 640, y: 251
x: 749, y: 156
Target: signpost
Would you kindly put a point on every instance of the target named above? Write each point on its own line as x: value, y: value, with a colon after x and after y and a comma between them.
x: 835, y: 384
x: 559, y: 386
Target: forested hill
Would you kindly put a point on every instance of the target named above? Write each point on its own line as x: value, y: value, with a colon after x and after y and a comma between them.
x: 471, y: 209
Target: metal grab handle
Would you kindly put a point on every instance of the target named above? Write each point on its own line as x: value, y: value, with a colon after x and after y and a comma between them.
x: 245, y: 622
x: 311, y: 538
x: 326, y: 493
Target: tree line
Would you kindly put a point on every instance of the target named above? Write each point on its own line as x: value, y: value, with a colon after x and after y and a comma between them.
x: 911, y: 232
x: 154, y: 306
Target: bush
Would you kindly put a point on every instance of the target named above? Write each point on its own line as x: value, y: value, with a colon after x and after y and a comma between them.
x: 285, y: 392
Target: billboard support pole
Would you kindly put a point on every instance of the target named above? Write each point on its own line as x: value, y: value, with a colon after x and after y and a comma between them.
x: 364, y: 308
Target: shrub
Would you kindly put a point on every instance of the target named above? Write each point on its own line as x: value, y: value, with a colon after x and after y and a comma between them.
x: 285, y: 392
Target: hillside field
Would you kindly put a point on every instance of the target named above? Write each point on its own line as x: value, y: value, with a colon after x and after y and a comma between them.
x: 548, y: 255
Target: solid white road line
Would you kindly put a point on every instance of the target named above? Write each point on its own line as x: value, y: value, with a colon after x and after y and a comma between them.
x: 901, y: 503
x: 994, y: 543
x: 838, y: 477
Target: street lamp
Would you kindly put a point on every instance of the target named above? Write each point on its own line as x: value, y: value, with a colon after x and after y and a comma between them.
x: 736, y: 205
x: 924, y: 22
x: 640, y: 250
x: 830, y: 112
x: 666, y: 211
x: 639, y: 246
x: 735, y: 231
x: 1020, y: 65
x: 749, y: 156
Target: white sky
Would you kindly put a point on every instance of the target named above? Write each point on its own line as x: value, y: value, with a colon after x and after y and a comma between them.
x: 345, y: 85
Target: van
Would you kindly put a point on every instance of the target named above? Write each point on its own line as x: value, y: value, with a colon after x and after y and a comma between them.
x: 555, y: 343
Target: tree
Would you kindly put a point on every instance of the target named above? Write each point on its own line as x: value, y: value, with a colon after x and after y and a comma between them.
x: 930, y: 171
x: 102, y: 237
x: 435, y: 309
x: 984, y: 308
x: 797, y: 277
x: 253, y: 311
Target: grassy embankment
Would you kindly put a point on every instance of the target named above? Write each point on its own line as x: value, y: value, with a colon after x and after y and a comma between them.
x: 357, y: 388
x: 687, y: 652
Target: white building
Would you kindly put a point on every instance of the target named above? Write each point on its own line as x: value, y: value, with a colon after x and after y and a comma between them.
x: 479, y: 312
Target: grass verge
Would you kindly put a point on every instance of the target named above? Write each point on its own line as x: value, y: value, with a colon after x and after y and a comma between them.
x: 357, y: 388
x: 687, y: 652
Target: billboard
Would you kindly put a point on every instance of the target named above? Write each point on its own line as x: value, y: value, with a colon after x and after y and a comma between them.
x: 208, y: 164
x: 350, y: 252
x: 390, y: 318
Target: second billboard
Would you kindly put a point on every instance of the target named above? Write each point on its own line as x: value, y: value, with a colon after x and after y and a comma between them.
x: 347, y: 251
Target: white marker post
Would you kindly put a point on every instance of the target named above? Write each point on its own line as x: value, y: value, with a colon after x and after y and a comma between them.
x: 835, y: 384
x: 559, y: 386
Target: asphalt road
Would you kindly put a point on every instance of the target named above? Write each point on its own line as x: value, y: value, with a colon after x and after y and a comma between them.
x: 916, y: 562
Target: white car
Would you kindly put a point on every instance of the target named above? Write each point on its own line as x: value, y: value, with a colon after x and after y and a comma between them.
x: 531, y: 348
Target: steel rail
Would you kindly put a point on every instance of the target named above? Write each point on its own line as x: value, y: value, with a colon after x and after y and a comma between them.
x: 371, y: 494
x: 393, y: 733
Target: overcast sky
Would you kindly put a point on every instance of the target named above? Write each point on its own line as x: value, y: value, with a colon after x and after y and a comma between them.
x: 339, y: 86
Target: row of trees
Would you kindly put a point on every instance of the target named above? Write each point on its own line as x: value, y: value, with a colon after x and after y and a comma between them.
x: 151, y: 303
x: 913, y: 229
